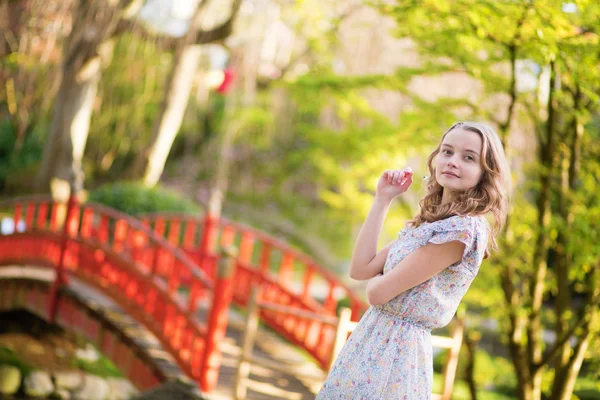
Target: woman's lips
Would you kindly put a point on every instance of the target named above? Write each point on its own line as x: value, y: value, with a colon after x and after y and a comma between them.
x: 450, y: 174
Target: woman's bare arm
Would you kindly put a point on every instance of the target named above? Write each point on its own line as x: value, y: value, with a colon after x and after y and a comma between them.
x: 414, y: 269
x: 366, y: 261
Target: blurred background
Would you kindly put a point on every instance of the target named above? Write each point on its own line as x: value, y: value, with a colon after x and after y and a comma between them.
x: 282, y: 115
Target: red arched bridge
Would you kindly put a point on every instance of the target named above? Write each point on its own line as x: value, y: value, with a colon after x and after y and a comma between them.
x: 169, y: 273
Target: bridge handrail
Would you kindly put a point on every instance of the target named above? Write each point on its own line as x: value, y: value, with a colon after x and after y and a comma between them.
x: 141, y: 270
x: 178, y: 253
x: 164, y: 305
x: 153, y: 237
x: 265, y: 238
x: 298, y: 255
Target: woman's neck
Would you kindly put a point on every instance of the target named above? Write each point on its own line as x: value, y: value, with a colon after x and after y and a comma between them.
x: 447, y: 196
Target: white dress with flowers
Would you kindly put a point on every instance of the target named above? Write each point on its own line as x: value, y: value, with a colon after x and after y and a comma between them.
x: 389, y: 354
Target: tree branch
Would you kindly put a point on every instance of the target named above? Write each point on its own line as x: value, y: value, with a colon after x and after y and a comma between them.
x: 536, y: 284
x: 512, y: 91
x: 512, y: 49
x: 169, y: 43
x: 558, y: 344
x: 340, y: 18
x: 539, y: 133
x: 224, y: 30
x: 584, y: 316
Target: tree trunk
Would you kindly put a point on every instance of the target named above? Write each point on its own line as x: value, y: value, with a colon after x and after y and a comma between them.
x: 588, y: 314
x: 569, y: 167
x: 564, y: 391
x: 89, y: 48
x: 471, y: 340
x: 63, y: 151
x: 11, y: 24
x: 226, y: 139
x: 151, y: 163
x: 536, y: 287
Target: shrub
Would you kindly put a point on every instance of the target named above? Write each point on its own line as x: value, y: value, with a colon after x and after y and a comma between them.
x: 9, y: 357
x: 18, y: 168
x: 134, y: 198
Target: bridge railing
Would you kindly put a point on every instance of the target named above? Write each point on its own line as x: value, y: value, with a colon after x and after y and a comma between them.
x: 285, y: 276
x: 115, y: 233
x: 260, y: 251
x: 152, y: 280
x: 343, y: 328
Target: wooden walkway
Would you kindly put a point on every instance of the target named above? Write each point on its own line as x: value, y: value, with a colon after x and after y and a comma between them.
x: 264, y: 384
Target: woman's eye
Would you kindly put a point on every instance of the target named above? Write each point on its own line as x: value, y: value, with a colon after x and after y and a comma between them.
x: 447, y: 152
x: 470, y: 158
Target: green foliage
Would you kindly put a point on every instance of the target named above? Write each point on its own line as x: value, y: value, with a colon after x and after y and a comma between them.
x: 102, y: 367
x: 9, y: 357
x: 18, y: 166
x: 310, y: 148
x: 480, y: 39
x: 461, y: 390
x: 134, y: 198
x: 489, y: 370
x: 131, y: 94
x: 485, y: 296
x: 587, y: 389
x: 495, y: 373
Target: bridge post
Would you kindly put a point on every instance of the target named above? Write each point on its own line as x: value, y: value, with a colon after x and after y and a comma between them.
x: 209, y: 243
x: 218, y: 318
x: 61, y: 279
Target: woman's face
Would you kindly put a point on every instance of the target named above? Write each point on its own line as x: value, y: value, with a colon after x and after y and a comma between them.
x: 458, y: 164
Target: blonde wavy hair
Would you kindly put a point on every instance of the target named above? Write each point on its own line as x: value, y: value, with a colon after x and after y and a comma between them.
x: 490, y: 196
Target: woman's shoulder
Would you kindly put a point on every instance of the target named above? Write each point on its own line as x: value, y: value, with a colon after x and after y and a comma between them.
x: 477, y: 224
x: 458, y: 220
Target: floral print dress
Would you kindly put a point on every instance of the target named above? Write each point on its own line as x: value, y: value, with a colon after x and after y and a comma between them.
x: 389, y: 354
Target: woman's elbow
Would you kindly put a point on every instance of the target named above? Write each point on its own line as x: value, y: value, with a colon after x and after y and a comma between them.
x: 357, y: 274
x: 374, y: 297
x: 375, y: 300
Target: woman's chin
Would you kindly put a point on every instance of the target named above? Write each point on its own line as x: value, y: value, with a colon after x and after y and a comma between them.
x: 452, y: 188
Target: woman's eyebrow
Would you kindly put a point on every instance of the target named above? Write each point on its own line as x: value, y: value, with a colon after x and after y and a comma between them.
x: 466, y: 151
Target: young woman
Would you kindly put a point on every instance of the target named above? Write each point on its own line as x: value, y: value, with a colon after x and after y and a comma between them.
x: 417, y: 281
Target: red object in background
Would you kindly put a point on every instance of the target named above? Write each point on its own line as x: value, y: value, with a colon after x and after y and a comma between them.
x: 227, y: 81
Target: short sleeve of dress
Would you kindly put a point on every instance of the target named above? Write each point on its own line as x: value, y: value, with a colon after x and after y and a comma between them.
x: 463, y: 229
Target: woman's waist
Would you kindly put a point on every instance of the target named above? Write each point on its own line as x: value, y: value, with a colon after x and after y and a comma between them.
x: 403, y: 316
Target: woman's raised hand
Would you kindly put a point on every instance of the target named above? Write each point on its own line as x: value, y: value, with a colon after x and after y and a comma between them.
x: 394, y: 182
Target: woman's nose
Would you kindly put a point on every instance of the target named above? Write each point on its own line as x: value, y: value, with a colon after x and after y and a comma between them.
x: 451, y: 162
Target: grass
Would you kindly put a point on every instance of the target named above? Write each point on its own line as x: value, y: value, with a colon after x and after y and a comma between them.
x: 461, y: 391
x: 585, y: 389
x: 102, y: 367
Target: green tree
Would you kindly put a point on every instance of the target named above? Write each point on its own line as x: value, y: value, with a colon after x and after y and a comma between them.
x: 540, y: 261
x: 28, y: 72
x: 88, y: 50
x: 150, y: 163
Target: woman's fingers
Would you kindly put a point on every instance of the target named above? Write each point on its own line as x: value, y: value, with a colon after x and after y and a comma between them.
x: 386, y: 175
x: 404, y: 175
x: 397, y: 176
x: 408, y: 181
